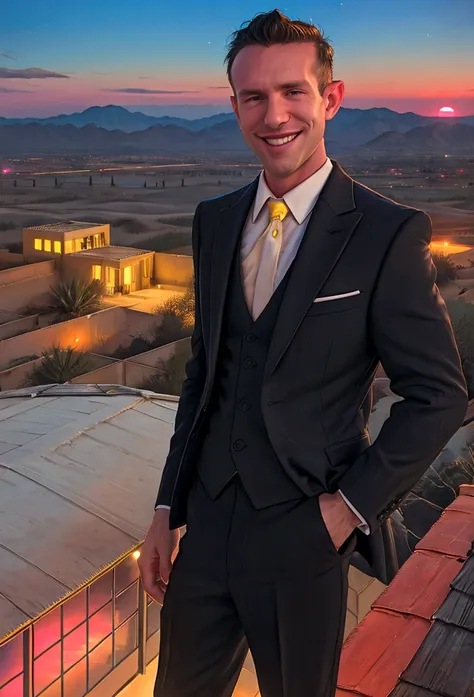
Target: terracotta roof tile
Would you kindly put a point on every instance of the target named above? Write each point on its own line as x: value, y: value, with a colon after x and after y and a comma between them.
x: 378, y: 650
x: 434, y: 658
x: 452, y: 534
x: 421, y: 585
x: 462, y: 503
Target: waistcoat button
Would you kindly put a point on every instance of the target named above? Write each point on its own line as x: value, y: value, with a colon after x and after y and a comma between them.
x: 238, y: 444
x: 250, y: 338
x: 249, y: 362
x: 245, y: 405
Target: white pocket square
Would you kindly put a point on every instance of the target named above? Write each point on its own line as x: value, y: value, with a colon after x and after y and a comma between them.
x: 324, y: 298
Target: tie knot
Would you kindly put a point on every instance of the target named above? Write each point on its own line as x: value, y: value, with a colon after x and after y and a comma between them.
x: 278, y: 209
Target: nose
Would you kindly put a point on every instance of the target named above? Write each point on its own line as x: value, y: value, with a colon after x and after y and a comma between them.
x: 276, y: 113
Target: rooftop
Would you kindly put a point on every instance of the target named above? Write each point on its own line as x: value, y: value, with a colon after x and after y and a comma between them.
x: 66, y: 512
x: 418, y: 640
x: 67, y: 226
x: 111, y: 252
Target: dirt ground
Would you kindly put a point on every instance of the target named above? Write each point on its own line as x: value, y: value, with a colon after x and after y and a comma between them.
x: 137, y: 214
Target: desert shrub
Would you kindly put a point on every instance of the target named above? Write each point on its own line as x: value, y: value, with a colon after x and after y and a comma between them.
x: 171, y: 373
x: 445, y: 267
x: 76, y: 298
x: 462, y: 319
x: 59, y: 366
x: 181, y: 304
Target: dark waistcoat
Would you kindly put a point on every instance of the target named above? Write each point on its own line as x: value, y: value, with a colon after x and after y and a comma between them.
x: 234, y: 439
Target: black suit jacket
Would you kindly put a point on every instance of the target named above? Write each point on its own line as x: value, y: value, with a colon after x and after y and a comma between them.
x: 317, y: 396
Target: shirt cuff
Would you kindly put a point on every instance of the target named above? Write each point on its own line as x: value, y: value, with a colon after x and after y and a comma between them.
x: 162, y: 506
x: 363, y: 525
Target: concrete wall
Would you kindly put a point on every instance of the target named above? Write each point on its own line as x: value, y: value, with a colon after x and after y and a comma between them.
x: 16, y: 377
x: 100, y: 332
x: 172, y: 269
x: 7, y: 316
x: 33, y: 291
x: 10, y: 259
x: 23, y: 273
x: 24, y: 324
x: 134, y: 371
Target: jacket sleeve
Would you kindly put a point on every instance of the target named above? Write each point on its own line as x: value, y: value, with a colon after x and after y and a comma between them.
x: 412, y: 335
x: 192, y: 387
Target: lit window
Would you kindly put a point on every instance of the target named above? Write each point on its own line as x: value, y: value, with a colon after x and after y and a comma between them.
x: 126, y: 604
x: 57, y: 247
x: 11, y: 659
x: 74, y: 612
x: 96, y: 272
x: 38, y: 244
x: 100, y: 592
x: 46, y: 669
x: 126, y: 639
x: 47, y: 245
x: 68, y: 247
x: 13, y: 688
x: 100, y: 662
x: 47, y: 631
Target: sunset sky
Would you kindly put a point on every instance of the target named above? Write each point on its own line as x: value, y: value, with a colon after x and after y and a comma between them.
x: 407, y: 55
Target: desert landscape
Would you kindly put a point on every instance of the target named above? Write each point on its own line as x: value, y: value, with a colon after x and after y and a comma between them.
x: 152, y: 206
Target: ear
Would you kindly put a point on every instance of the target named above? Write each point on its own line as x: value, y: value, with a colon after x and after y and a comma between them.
x: 333, y: 96
x: 235, y: 106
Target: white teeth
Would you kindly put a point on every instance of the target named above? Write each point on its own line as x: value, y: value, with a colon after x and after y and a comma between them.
x: 280, y: 141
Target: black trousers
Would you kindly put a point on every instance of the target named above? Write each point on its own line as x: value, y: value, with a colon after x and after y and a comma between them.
x: 270, y: 580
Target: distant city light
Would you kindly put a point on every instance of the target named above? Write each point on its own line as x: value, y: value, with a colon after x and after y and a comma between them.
x: 76, y: 340
x: 6, y: 171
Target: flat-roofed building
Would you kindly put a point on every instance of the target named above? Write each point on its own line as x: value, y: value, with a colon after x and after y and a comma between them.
x: 79, y: 470
x: 121, y: 269
x: 53, y: 240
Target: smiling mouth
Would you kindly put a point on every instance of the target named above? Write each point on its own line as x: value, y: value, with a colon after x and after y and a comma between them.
x: 278, y: 142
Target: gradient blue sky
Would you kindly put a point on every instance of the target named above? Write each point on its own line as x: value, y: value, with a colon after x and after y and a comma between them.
x: 408, y: 55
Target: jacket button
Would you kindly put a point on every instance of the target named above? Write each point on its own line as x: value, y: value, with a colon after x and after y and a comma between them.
x: 245, y: 405
x: 249, y: 362
x: 238, y: 444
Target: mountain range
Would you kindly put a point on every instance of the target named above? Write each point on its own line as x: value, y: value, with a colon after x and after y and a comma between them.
x: 113, y: 130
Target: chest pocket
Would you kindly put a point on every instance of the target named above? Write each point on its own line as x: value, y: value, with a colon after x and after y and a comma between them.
x: 351, y: 302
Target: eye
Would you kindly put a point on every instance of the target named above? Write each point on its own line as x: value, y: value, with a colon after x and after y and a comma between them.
x: 253, y: 99
x: 295, y: 92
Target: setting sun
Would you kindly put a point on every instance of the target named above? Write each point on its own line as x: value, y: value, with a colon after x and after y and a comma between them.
x: 446, y: 111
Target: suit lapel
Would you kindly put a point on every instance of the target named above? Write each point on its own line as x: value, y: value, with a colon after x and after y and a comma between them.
x: 330, y: 228
x: 229, y: 225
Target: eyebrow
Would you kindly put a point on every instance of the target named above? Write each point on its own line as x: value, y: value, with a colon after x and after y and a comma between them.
x: 284, y: 86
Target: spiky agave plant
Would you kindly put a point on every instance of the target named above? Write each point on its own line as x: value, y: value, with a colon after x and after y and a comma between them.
x: 60, y: 365
x: 76, y: 298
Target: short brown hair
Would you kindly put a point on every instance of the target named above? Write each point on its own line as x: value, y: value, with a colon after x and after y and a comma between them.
x: 270, y: 28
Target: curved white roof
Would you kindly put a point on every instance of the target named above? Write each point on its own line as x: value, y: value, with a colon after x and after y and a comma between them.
x: 80, y: 467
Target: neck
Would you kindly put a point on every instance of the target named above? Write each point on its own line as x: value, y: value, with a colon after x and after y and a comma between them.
x: 279, y: 186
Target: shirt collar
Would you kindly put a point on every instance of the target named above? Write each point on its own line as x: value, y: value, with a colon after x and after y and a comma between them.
x: 299, y: 200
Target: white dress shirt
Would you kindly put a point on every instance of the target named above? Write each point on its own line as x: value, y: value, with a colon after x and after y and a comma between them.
x: 300, y: 201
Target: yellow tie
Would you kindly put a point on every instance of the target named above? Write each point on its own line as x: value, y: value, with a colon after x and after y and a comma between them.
x: 267, y: 269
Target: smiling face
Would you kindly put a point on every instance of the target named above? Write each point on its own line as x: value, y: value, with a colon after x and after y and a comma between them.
x: 281, y: 111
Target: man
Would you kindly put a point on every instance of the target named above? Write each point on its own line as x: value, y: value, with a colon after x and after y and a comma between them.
x: 305, y: 280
